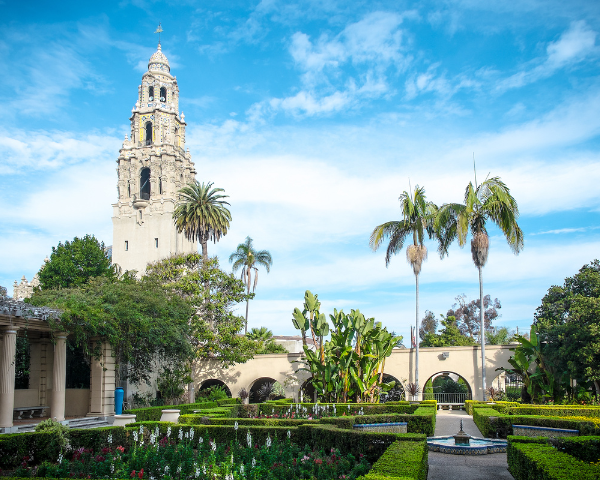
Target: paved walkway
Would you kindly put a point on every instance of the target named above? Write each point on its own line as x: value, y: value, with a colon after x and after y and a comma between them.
x: 464, y: 467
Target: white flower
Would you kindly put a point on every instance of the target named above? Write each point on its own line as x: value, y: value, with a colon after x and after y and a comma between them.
x: 112, y: 468
x: 166, y: 469
x: 192, y: 433
x: 242, y: 469
x: 186, y: 435
x: 213, y: 445
x: 249, y: 438
x: 200, y: 439
x: 235, y: 426
x: 109, y: 439
x: 135, y: 436
x: 179, y: 469
x: 197, y: 473
x: 156, y: 432
x: 141, y: 429
x: 152, y: 439
x: 180, y: 434
x: 204, y: 469
x: 289, y: 434
x: 254, y: 462
x: 60, y: 458
x: 232, y: 458
x: 168, y: 432
x: 268, y: 441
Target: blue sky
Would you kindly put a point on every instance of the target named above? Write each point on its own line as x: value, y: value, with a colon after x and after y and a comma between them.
x: 314, y: 117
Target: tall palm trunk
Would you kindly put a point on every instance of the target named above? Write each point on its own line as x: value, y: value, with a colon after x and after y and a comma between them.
x: 417, y: 334
x: 247, y: 300
x: 482, y: 330
x: 204, y: 250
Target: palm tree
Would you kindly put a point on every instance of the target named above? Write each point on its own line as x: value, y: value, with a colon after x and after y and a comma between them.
x: 247, y: 257
x: 262, y: 334
x: 489, y: 201
x: 201, y: 214
x: 417, y: 219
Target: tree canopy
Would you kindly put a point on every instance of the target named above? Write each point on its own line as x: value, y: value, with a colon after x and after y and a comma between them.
x: 74, y: 263
x: 450, y: 336
x: 145, y: 324
x: 467, y: 314
x: 568, y: 322
x: 213, y: 295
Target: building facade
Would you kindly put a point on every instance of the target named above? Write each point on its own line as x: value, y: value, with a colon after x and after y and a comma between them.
x: 152, y: 166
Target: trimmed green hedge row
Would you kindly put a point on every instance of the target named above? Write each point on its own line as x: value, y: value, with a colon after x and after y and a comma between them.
x: 265, y: 422
x: 341, y: 408
x: 153, y: 414
x: 494, y: 424
x: 402, y: 460
x: 586, y: 449
x: 555, y: 411
x: 499, y: 406
x: 540, y: 461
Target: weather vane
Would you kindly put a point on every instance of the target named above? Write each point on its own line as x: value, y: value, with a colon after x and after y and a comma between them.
x: 158, y: 30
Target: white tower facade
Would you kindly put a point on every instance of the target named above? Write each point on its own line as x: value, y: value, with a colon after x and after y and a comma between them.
x: 152, y: 166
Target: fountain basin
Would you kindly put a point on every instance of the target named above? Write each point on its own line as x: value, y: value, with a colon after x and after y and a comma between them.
x: 477, y: 446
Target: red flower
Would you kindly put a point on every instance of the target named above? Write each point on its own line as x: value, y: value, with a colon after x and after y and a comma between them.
x: 318, y: 461
x: 121, y: 449
x: 132, y: 474
x: 141, y: 474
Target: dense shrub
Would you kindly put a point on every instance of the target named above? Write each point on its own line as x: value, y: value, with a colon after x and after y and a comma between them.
x: 494, y: 424
x: 540, y: 461
x: 265, y: 422
x: 341, y: 409
x: 153, y: 414
x: 407, y: 460
x: 424, y: 424
x: 555, y: 411
x: 586, y: 449
x: 500, y: 406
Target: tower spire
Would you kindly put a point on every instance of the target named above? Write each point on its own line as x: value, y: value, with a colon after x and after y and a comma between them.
x: 159, y: 30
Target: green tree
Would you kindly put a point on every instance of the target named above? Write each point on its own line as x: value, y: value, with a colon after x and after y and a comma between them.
x: 74, y: 263
x: 264, y: 338
x: 499, y: 336
x: 468, y: 315
x: 201, y: 214
x: 247, y: 258
x: 449, y: 336
x: 490, y: 201
x: 429, y: 324
x: 417, y: 220
x: 213, y: 294
x: 144, y: 323
x: 568, y: 321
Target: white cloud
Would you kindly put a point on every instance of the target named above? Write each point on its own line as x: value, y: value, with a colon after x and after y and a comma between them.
x: 575, y: 45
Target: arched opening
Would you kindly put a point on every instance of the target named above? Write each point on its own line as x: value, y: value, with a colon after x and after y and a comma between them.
x: 264, y: 389
x: 307, y: 391
x: 150, y: 94
x: 506, y: 386
x: 145, y: 184
x: 177, y: 138
x: 163, y: 94
x: 148, y: 129
x: 208, y: 388
x: 448, y: 388
x: 128, y: 190
x: 396, y: 393
x: 160, y: 189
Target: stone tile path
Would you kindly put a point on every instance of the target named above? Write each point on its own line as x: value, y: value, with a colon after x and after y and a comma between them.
x: 464, y: 467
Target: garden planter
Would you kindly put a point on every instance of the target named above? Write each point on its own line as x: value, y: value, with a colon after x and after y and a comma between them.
x: 170, y: 416
x: 122, y: 420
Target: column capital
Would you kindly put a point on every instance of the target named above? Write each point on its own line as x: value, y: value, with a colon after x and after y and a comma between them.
x: 60, y: 335
x: 8, y: 329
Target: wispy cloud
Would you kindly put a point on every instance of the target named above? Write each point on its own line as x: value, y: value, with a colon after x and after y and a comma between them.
x: 575, y: 45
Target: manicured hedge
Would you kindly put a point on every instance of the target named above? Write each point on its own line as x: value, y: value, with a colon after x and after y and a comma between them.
x: 586, y: 449
x: 555, y: 411
x: 341, y: 408
x: 229, y: 401
x: 370, y: 444
x: 494, y: 424
x: 424, y: 424
x: 407, y: 460
x: 537, y: 461
x: 265, y: 422
x: 499, y: 406
x: 150, y: 414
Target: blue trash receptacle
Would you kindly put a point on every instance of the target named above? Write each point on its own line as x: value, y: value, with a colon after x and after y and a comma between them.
x: 119, y: 401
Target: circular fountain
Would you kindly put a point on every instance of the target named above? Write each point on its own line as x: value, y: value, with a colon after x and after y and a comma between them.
x: 464, y: 444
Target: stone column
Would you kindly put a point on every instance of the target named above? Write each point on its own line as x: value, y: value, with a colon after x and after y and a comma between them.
x: 8, y: 344
x: 59, y: 377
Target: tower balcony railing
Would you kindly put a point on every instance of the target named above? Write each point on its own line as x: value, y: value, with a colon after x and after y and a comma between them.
x: 144, y: 196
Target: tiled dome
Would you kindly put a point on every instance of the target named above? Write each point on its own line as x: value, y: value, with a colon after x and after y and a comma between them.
x: 158, y: 61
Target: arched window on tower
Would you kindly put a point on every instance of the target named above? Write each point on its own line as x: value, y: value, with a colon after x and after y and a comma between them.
x: 163, y: 94
x: 128, y: 190
x: 148, y: 133
x: 177, y: 136
x: 160, y: 190
x: 145, y: 184
x: 150, y: 94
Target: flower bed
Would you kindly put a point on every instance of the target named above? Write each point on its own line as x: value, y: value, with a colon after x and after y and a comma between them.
x: 191, y: 455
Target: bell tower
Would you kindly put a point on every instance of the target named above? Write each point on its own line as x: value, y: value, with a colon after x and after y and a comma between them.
x: 152, y: 166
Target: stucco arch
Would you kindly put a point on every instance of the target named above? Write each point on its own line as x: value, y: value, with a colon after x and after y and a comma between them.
x: 257, y: 384
x: 454, y: 376
x: 215, y: 382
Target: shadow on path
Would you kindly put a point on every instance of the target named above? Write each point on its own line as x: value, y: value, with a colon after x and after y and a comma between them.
x: 464, y: 467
